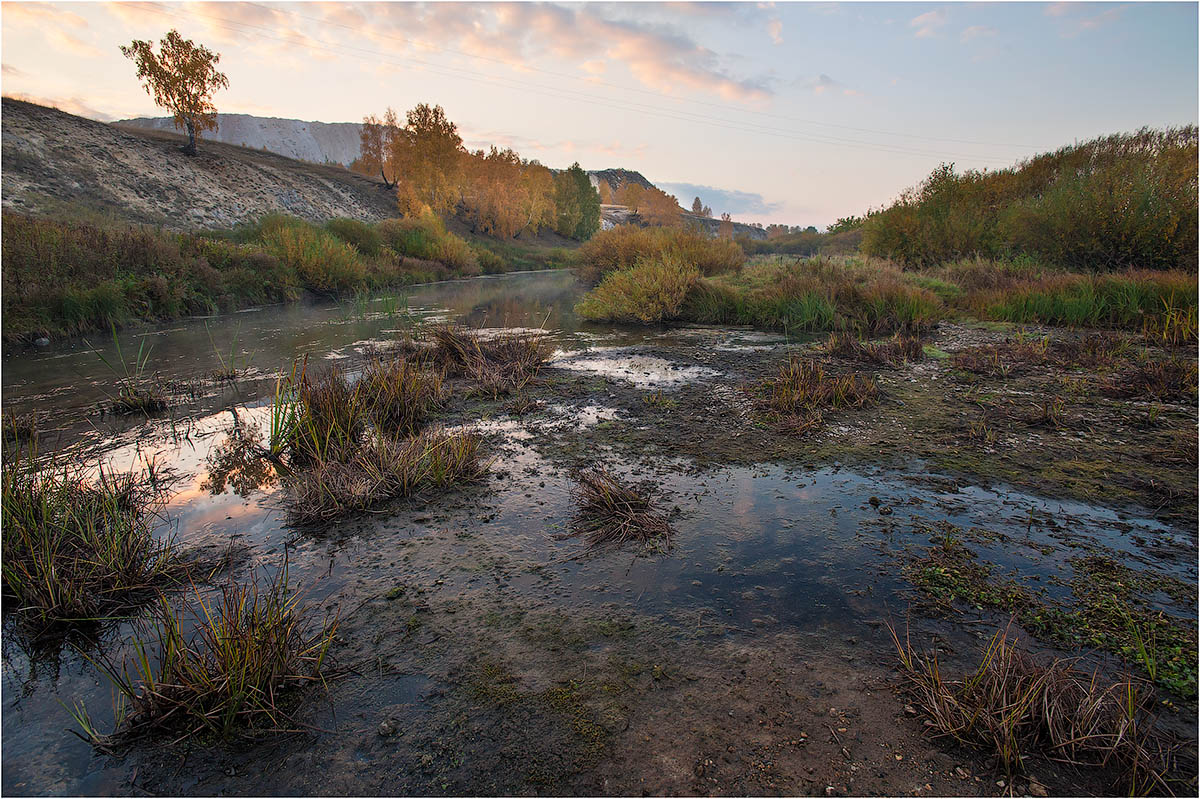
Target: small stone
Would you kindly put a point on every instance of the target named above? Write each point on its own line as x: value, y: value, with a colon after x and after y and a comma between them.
x: 1037, y: 789
x: 899, y: 757
x: 909, y: 710
x: 874, y: 502
x: 697, y: 583
x: 41, y: 341
x: 426, y: 760
x: 886, y: 510
x: 388, y: 728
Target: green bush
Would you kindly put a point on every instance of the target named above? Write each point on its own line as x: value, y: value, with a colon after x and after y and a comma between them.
x: 359, y: 235
x: 426, y: 237
x: 1123, y: 201
x: 324, y: 264
x: 649, y: 292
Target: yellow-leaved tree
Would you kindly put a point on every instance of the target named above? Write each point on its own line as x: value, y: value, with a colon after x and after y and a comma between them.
x: 181, y: 77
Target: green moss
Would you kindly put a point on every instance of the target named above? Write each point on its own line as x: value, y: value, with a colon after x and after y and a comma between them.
x: 1109, y: 612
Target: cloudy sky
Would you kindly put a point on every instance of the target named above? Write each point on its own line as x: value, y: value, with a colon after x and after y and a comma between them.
x: 776, y: 112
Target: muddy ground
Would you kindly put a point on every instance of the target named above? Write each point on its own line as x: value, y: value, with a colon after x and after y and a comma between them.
x: 484, y: 651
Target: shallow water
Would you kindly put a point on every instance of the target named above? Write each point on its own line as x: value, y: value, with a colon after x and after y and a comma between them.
x: 758, y: 549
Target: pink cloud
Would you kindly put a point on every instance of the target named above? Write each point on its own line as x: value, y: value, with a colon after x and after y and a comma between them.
x: 927, y: 24
x: 775, y: 31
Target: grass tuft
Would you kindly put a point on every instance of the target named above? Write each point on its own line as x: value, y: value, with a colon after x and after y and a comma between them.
x: 226, y: 674
x: 1015, y: 706
x: 500, y: 364
x: 75, y: 549
x: 610, y: 513
x: 380, y: 470
x: 896, y: 351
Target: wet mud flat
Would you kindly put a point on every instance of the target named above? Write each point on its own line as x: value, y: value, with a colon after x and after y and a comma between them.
x: 482, y: 650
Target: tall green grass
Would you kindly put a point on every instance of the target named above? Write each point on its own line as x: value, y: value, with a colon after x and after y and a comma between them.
x: 77, y: 549
x: 813, y: 295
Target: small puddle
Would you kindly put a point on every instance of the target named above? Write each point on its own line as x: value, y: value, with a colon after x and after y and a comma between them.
x: 643, y: 371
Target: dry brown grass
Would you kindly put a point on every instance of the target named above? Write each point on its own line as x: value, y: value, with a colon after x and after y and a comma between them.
x: 500, y: 364
x: 380, y: 470
x: 610, y: 513
x: 895, y: 351
x: 1016, y: 706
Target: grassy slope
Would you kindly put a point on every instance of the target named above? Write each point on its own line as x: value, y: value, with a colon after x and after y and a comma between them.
x: 121, y: 208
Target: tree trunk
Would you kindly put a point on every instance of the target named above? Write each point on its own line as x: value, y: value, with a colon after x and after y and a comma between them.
x: 190, y: 149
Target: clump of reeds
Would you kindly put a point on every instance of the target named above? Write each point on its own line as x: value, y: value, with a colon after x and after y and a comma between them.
x: 330, y: 417
x: 223, y: 674
x: 501, y: 364
x: 399, y: 394
x: 382, y: 469
x: 803, y: 389
x: 77, y: 549
x: 610, y: 513
x: 895, y: 351
x: 1016, y: 706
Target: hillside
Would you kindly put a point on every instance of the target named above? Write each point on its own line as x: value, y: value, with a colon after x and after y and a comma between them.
x: 318, y: 142
x: 53, y: 160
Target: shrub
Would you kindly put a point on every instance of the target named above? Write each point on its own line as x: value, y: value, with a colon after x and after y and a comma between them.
x: 652, y: 291
x: 324, y: 263
x: 359, y: 235
x: 625, y: 246
x: 425, y: 237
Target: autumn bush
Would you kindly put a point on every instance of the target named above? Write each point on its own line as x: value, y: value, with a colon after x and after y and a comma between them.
x: 653, y: 290
x: 626, y: 245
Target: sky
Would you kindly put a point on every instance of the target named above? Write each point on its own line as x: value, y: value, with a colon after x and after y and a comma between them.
x: 793, y: 113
